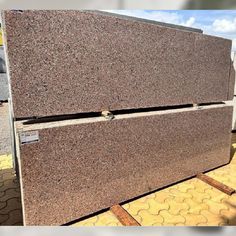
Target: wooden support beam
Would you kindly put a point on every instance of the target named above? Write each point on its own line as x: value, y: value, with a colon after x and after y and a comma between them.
x: 123, y: 216
x: 216, y: 184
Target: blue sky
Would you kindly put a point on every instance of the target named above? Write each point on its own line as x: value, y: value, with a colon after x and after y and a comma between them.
x: 220, y: 23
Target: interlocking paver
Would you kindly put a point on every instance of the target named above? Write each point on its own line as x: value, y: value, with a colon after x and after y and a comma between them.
x: 14, y: 218
x: 10, y: 200
x: 11, y: 205
x: 8, y: 194
x: 106, y: 218
x: 146, y: 217
x: 134, y: 208
x: 193, y: 219
x: 155, y: 207
x: 6, y: 162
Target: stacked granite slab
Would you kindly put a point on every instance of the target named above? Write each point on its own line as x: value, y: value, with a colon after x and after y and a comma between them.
x: 79, y: 167
x: 68, y: 66
x: 79, y: 61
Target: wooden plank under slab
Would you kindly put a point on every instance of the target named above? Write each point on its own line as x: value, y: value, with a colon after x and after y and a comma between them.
x: 216, y: 184
x: 123, y: 216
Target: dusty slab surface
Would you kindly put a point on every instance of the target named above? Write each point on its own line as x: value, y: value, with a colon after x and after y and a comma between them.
x: 79, y: 61
x: 89, y: 166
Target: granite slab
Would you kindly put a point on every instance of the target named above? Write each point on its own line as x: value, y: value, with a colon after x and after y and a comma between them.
x: 94, y: 163
x: 232, y: 82
x: 66, y: 62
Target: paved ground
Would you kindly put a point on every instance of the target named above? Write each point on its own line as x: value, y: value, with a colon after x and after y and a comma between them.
x: 5, y: 138
x: 10, y: 203
x: 190, y: 203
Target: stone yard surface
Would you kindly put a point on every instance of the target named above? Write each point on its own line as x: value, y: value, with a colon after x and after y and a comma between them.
x: 10, y: 200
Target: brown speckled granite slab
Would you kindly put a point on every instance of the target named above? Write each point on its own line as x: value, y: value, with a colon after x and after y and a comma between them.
x: 65, y: 62
x: 232, y: 82
x: 81, y: 166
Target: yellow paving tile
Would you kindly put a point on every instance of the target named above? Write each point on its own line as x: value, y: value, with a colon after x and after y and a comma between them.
x: 185, y: 186
x: 6, y: 162
x: 199, y: 195
x: 193, y: 219
x: 194, y: 207
x: 155, y: 207
x: 138, y: 205
x: 146, y: 218
x: 176, y: 207
x: 163, y: 196
x: 216, y: 207
x: 176, y: 192
x: 171, y: 219
x: 106, y: 218
x: 212, y: 219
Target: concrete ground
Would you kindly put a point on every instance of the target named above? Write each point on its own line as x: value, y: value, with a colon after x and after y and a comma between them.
x: 5, y: 135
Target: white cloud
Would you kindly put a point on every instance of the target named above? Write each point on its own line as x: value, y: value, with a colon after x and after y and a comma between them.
x: 190, y: 21
x: 224, y: 25
x: 162, y: 16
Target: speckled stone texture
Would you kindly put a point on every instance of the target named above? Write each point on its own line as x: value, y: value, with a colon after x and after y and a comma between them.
x: 91, y: 166
x: 232, y: 82
x: 65, y: 62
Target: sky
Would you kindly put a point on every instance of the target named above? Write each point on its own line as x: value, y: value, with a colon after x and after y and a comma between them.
x: 220, y: 23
